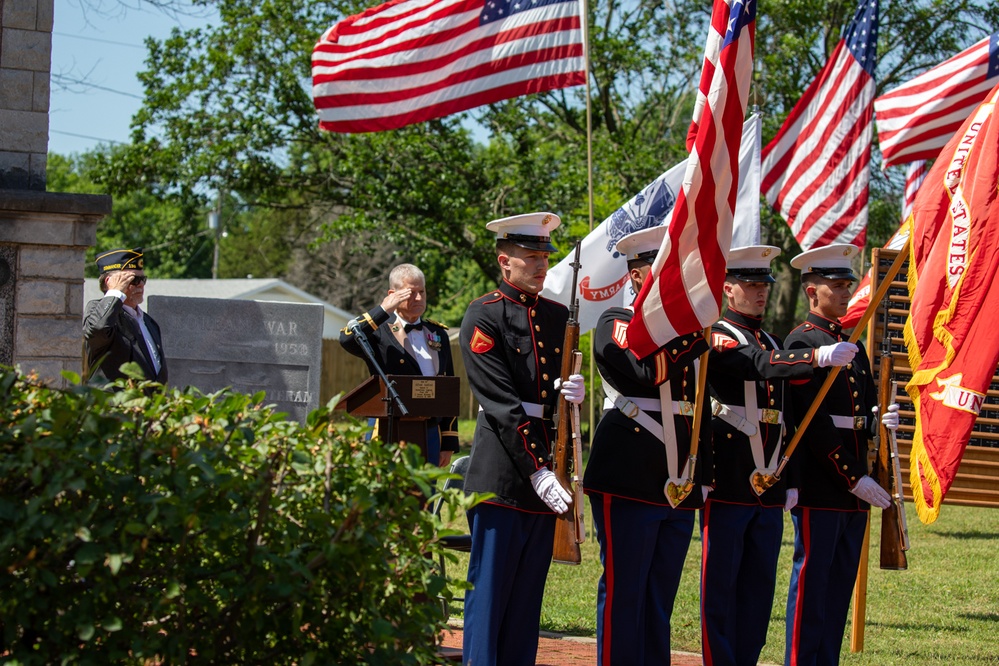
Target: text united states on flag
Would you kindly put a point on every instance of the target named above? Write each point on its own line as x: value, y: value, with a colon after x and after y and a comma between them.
x: 683, y: 292
x: 407, y: 61
x: 816, y: 170
x: 916, y: 119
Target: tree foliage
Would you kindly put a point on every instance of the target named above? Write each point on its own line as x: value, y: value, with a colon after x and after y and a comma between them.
x: 152, y: 525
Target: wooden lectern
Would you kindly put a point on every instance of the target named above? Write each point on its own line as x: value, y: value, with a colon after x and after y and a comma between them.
x: 424, y: 397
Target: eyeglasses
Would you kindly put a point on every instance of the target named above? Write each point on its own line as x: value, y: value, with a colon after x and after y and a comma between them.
x: 138, y: 281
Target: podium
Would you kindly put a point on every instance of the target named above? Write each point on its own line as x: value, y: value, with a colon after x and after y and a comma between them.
x: 424, y: 398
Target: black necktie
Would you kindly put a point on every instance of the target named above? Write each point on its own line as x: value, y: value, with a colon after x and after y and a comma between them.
x: 418, y: 326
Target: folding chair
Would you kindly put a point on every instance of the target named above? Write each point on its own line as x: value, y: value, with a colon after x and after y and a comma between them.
x: 459, y: 542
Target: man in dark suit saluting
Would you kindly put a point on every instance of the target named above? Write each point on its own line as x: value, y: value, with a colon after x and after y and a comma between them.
x: 115, y: 330
x: 404, y: 343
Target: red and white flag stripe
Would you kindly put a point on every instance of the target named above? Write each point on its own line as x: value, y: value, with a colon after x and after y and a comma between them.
x: 816, y: 170
x: 683, y: 291
x: 407, y: 61
x: 917, y: 118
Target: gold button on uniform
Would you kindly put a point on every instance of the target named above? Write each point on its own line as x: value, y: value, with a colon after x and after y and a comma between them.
x: 544, y: 394
x: 545, y: 376
x: 541, y: 345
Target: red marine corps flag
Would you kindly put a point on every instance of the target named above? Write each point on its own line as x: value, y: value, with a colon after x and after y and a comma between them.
x: 954, y: 312
x: 684, y: 292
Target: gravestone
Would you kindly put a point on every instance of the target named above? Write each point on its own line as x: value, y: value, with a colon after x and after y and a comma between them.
x: 250, y: 346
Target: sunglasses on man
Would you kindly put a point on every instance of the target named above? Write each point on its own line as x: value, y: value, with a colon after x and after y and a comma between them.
x: 138, y: 280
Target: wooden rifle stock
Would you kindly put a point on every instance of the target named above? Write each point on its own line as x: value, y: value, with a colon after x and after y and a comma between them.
x: 567, y: 457
x: 886, y: 472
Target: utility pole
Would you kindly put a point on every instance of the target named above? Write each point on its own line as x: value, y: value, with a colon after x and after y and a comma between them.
x: 214, y: 223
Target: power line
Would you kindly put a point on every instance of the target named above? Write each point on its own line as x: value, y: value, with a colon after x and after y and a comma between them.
x: 102, y: 41
x: 84, y: 136
x: 66, y: 81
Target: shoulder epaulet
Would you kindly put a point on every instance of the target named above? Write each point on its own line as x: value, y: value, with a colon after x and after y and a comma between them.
x: 435, y: 323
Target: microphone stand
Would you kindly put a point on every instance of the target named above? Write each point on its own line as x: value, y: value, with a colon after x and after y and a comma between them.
x: 393, y: 397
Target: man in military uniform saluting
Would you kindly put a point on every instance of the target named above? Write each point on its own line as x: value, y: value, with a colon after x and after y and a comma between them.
x: 835, y: 490
x: 404, y: 343
x: 642, y: 441
x: 115, y: 329
x: 511, y: 340
x: 741, y: 530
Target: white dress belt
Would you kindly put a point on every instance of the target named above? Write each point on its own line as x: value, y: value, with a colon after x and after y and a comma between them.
x: 532, y: 409
x: 624, y: 404
x: 850, y: 422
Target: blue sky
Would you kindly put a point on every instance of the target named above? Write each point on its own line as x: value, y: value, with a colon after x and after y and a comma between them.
x: 97, y: 51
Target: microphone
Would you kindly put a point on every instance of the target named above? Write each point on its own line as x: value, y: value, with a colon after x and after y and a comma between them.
x: 354, y: 325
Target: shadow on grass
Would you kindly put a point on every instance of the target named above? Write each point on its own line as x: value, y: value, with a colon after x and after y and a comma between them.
x: 968, y: 535
x: 981, y: 617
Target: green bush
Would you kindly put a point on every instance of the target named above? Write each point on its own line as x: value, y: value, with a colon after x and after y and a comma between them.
x: 155, y: 526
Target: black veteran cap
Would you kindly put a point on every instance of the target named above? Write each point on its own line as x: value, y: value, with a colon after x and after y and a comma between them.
x: 643, y: 244
x: 119, y: 260
x: 833, y: 262
x: 531, y: 230
x: 752, y: 263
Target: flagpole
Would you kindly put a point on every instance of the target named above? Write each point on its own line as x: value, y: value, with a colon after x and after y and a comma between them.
x: 585, y: 18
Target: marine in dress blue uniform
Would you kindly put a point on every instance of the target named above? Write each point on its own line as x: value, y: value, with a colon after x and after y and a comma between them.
x: 405, y: 343
x: 511, y: 342
x: 835, y: 489
x: 741, y: 530
x: 115, y: 329
x: 643, y: 540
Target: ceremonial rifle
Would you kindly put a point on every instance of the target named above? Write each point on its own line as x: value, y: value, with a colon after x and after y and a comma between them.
x: 887, y: 471
x: 567, y: 461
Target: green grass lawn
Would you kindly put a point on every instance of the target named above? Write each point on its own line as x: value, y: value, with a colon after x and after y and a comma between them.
x: 943, y: 610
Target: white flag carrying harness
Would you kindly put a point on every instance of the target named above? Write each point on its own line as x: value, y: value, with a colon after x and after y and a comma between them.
x: 748, y: 421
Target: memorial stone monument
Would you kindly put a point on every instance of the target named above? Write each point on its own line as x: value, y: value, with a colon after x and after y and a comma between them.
x: 250, y: 346
x: 43, y: 235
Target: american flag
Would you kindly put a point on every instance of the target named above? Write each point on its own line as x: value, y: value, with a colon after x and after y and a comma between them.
x: 407, y: 61
x: 916, y: 119
x: 816, y: 170
x: 914, y: 177
x: 683, y: 291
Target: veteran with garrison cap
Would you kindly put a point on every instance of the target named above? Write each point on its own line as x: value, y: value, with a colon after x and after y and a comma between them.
x: 115, y: 329
x: 741, y: 530
x: 642, y: 441
x: 835, y: 491
x: 511, y: 341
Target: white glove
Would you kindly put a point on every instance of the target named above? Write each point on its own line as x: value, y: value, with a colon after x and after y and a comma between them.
x: 840, y: 353
x: 704, y: 492
x: 573, y: 390
x: 790, y: 499
x: 550, y: 491
x: 890, y: 418
x: 868, y: 490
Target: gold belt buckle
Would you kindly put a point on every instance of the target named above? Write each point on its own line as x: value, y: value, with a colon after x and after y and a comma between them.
x: 686, y: 408
x: 859, y: 422
x: 771, y: 416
